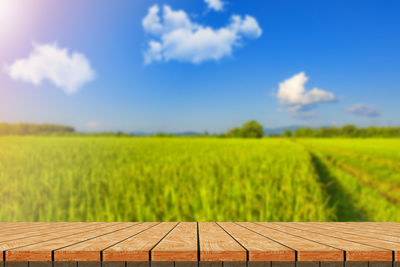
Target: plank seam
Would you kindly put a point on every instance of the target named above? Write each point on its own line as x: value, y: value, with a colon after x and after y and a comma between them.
x: 54, y: 238
x: 198, y: 242
x: 247, y: 252
x: 68, y: 229
x: 95, y: 237
x: 361, y: 235
x: 162, y: 240
x: 344, y: 239
x: 101, y: 251
x: 267, y: 237
x: 301, y: 237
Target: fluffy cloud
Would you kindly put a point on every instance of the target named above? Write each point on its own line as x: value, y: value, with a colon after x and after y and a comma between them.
x: 216, y: 5
x: 293, y: 95
x: 68, y: 71
x: 363, y: 110
x: 176, y: 37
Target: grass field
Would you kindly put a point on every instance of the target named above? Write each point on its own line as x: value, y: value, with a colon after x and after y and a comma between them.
x: 198, y: 179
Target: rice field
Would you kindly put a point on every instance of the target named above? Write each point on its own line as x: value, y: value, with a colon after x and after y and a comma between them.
x: 198, y: 179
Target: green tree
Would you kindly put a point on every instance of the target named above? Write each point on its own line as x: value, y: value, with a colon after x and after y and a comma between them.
x: 234, y: 132
x: 252, y: 129
x: 349, y: 130
x: 287, y: 133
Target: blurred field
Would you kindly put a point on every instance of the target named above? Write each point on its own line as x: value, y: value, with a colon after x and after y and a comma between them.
x: 198, y: 179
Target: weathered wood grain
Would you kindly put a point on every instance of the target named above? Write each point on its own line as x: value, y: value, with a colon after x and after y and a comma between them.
x: 14, y: 235
x: 41, y: 250
x: 138, y: 247
x: 90, y: 250
x: 38, y: 238
x: 217, y: 245
x: 387, y: 241
x: 307, y: 250
x: 179, y: 245
x: 259, y: 247
x: 354, y: 251
x: 224, y: 244
x: 382, y: 250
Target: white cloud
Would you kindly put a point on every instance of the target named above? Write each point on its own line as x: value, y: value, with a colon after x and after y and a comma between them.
x: 177, y: 37
x: 216, y: 5
x: 293, y: 95
x: 363, y: 110
x: 68, y: 71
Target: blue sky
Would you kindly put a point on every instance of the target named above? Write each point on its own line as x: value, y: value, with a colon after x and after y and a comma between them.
x: 287, y: 63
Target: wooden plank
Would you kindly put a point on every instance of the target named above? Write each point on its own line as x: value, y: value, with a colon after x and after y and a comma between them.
x: 326, y: 230
x: 38, y: 248
x: 49, y: 229
x: 27, y: 228
x: 223, y: 244
x: 217, y: 245
x: 259, y: 247
x: 90, y: 250
x: 179, y: 245
x: 5, y: 227
x: 371, y: 227
x: 307, y: 250
x: 395, y: 247
x: 379, y: 228
x: 354, y: 250
x: 23, y: 241
x: 385, y: 231
x: 387, y: 234
x: 138, y: 248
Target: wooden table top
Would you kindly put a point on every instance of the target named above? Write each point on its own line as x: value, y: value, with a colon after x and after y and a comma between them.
x: 203, y: 241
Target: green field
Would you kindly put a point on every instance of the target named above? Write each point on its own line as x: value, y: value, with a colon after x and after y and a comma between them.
x: 198, y: 179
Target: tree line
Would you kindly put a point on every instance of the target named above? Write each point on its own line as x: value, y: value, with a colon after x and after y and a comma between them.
x: 348, y: 131
x: 250, y: 129
x: 34, y: 129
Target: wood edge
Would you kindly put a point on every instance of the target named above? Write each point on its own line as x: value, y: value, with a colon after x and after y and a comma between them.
x: 20, y: 255
x: 134, y: 255
x: 65, y: 255
x: 223, y: 255
x: 337, y: 255
x: 283, y: 255
x: 380, y: 255
x: 164, y: 255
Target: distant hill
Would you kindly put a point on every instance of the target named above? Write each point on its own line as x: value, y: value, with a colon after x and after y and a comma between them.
x: 281, y: 130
